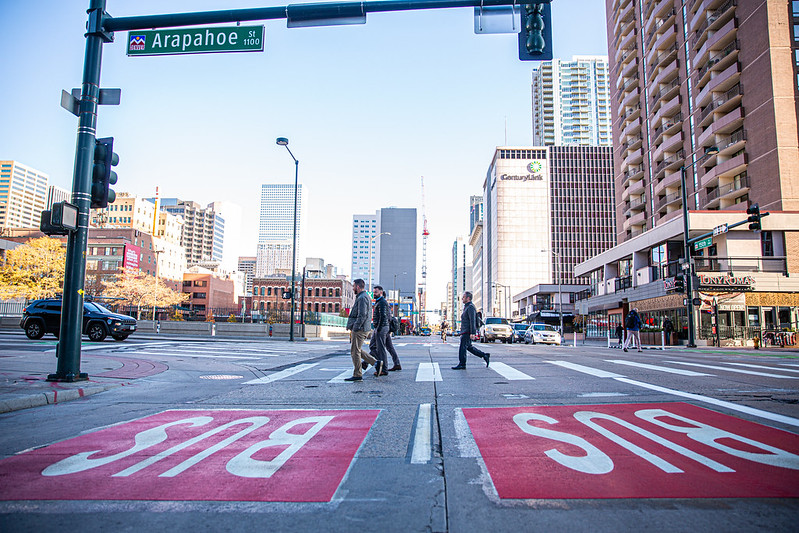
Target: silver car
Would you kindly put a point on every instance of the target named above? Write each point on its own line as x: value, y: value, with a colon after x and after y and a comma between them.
x: 542, y: 333
x: 496, y: 328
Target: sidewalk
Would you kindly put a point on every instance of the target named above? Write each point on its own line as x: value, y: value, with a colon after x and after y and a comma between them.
x: 23, y: 377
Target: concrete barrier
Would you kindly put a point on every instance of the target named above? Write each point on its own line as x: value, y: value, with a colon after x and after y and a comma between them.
x: 238, y: 329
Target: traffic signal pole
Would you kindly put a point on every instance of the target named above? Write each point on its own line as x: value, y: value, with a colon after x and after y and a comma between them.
x: 100, y: 30
x: 68, y: 349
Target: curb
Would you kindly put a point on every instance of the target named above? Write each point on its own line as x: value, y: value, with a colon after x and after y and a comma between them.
x: 52, y: 397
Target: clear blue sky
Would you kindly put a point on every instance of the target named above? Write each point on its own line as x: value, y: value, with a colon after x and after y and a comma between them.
x: 368, y: 110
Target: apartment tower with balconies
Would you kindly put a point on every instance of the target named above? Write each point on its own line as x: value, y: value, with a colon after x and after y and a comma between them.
x: 688, y: 76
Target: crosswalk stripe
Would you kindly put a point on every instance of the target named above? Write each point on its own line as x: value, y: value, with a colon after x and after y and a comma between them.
x: 585, y: 369
x: 340, y: 378
x: 764, y: 367
x: 738, y: 370
x: 679, y: 371
x: 282, y: 374
x: 428, y: 372
x: 422, y: 439
x: 508, y: 372
x: 187, y: 354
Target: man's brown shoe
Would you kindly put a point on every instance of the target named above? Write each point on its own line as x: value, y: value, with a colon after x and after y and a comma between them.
x: 395, y: 368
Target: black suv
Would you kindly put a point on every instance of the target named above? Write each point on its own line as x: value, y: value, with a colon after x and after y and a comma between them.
x: 44, y: 316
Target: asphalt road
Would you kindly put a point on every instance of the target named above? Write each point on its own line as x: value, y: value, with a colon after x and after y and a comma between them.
x: 226, y: 435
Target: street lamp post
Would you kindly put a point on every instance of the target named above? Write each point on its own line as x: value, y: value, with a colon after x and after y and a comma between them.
x: 505, y: 297
x: 371, y: 254
x: 155, y: 288
x: 560, y: 287
x: 283, y: 141
x: 394, y: 290
x: 688, y: 259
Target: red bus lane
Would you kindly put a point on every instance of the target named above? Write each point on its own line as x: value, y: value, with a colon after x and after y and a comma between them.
x: 224, y: 455
x: 660, y: 450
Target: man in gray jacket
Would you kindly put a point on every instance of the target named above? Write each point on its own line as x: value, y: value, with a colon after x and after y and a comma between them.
x: 358, y: 324
x: 469, y: 328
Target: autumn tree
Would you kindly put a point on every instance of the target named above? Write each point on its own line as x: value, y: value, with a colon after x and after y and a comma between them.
x: 142, y: 290
x: 33, y: 270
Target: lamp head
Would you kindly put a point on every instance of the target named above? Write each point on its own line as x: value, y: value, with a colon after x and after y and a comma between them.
x: 282, y: 141
x: 711, y: 150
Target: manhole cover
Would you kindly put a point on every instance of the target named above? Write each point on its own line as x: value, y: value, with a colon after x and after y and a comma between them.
x: 221, y: 376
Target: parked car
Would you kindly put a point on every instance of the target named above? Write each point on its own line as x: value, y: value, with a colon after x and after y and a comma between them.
x: 518, y: 332
x: 44, y: 316
x: 496, y: 328
x: 542, y: 333
x: 425, y: 331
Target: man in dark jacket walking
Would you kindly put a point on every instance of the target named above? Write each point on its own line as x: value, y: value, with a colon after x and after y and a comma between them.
x: 380, y: 318
x: 358, y: 324
x: 469, y: 328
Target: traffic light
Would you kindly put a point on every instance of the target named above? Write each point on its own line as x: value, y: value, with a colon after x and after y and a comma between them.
x: 754, y: 217
x: 535, y: 37
x: 102, y: 175
x: 679, y: 283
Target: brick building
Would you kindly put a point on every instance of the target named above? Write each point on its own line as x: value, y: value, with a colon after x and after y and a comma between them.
x: 322, y: 295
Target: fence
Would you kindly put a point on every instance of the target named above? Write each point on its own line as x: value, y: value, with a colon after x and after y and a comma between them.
x: 12, y: 308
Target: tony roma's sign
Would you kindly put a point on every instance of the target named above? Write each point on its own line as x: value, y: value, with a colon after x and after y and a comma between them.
x: 726, y: 283
x: 196, y: 40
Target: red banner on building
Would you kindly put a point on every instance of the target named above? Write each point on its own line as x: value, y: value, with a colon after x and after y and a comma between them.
x: 130, y: 259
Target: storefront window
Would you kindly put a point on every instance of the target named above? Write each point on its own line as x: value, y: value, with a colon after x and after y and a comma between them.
x: 753, y: 316
x: 785, y: 318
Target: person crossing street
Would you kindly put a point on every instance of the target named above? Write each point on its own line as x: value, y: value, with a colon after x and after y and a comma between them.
x: 469, y: 328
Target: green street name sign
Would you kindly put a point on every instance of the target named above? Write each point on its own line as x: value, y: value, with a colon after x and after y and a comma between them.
x: 704, y: 243
x: 196, y: 40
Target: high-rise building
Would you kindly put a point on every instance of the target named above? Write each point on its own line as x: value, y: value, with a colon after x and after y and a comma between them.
x: 461, y: 279
x: 231, y: 214
x: 476, y: 242
x: 546, y: 208
x: 273, y: 258
x: 246, y: 265
x: 57, y: 194
x: 203, y: 229
x: 571, y: 102
x: 688, y: 76
x: 398, y: 251
x: 276, y: 225
x: 23, y: 195
x: 365, y: 256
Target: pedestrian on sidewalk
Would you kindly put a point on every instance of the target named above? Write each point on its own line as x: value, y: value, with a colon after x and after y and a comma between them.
x: 620, y: 334
x: 380, y: 324
x: 358, y: 325
x: 469, y: 328
x: 633, y: 323
x: 444, y: 327
x: 668, y: 329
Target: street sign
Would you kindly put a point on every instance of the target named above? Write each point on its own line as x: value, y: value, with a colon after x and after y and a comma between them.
x: 196, y: 40
x: 718, y: 230
x: 704, y: 243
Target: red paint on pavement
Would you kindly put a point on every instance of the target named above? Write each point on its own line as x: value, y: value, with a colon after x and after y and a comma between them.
x: 200, y: 455
x: 665, y: 450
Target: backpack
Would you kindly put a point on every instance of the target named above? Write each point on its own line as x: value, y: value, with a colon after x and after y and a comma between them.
x: 630, y: 322
x: 393, y: 325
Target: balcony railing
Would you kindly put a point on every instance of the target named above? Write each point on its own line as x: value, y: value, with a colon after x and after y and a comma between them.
x: 734, y: 138
x: 669, y: 161
x: 624, y: 283
x: 664, y: 90
x: 667, y: 123
x: 741, y: 181
x: 736, y: 90
x: 714, y: 16
x: 669, y: 198
x: 741, y: 264
x: 732, y: 47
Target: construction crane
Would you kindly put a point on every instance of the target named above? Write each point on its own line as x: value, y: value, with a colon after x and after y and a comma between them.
x: 423, y: 288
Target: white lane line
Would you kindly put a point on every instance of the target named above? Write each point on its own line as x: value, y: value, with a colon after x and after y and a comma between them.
x: 601, y: 394
x: 679, y: 371
x: 340, y: 378
x: 764, y: 367
x: 721, y: 403
x: 282, y: 374
x: 173, y: 354
x: 428, y: 372
x: 739, y: 371
x: 508, y: 372
x: 585, y: 369
x: 422, y: 439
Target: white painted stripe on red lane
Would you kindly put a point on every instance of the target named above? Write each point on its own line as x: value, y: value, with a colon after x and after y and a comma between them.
x: 282, y: 374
